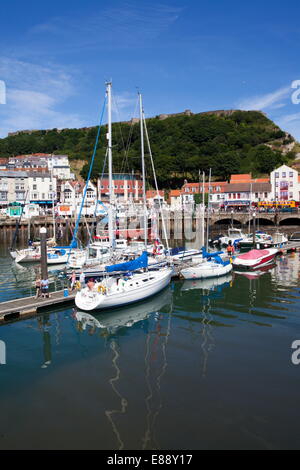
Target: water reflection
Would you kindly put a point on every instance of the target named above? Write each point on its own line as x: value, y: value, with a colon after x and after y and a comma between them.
x: 112, y: 320
x: 155, y: 357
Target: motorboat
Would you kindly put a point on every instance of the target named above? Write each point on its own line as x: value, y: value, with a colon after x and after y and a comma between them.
x: 256, y: 273
x: 254, y: 259
x: 133, y: 286
x: 180, y: 254
x: 234, y: 235
x: 295, y: 237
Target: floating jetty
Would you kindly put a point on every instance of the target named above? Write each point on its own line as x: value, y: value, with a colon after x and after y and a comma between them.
x: 26, y: 307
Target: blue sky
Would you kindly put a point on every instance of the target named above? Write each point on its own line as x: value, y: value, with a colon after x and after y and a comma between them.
x: 201, y: 55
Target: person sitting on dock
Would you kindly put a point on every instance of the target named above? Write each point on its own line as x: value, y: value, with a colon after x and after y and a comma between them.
x: 45, y: 288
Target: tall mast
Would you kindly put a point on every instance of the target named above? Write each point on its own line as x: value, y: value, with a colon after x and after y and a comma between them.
x: 111, y: 187
x: 143, y: 172
x: 208, y: 210
x: 53, y: 212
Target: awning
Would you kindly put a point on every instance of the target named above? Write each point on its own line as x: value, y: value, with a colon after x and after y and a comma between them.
x: 237, y: 203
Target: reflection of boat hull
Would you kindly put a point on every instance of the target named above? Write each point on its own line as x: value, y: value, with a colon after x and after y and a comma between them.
x: 206, y: 270
x: 135, y: 289
x: 256, y: 273
x: 125, y: 317
x: 208, y: 283
x: 255, y: 259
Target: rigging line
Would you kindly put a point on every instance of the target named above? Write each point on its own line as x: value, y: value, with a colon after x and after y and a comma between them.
x: 97, y: 201
x: 156, y: 187
x: 88, y: 178
x: 129, y: 139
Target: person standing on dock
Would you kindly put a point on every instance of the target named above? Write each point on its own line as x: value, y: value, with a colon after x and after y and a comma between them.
x: 37, y: 287
x: 45, y: 288
x: 73, y: 280
x: 82, y: 279
x: 230, y: 249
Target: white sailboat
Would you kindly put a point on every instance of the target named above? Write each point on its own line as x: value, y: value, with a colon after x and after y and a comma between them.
x: 134, y: 286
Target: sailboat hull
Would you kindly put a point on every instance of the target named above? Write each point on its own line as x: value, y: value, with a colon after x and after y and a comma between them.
x: 135, y: 289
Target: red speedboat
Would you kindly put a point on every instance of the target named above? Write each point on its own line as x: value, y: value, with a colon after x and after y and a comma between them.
x: 255, y: 258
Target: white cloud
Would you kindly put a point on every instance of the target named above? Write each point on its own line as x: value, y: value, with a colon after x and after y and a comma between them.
x: 35, y: 95
x: 271, y: 100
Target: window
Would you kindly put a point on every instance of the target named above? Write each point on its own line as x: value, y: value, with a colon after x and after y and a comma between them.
x: 276, y: 174
x: 34, y: 186
x: 291, y: 174
x: 266, y: 195
x: 193, y: 190
x: 234, y: 196
x: 283, y: 174
x: 291, y: 195
x: 276, y: 184
x: 2, y: 196
x: 43, y: 196
x: 239, y: 195
x: 187, y: 190
x: 256, y: 195
x: 229, y: 196
x: 291, y: 184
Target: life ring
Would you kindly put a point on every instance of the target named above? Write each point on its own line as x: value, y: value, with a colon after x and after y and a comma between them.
x: 101, y: 289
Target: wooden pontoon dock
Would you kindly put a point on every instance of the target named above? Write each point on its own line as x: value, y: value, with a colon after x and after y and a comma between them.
x: 26, y: 307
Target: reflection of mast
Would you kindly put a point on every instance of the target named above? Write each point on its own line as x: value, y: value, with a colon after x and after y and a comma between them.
x: 45, y: 325
x: 110, y: 413
x: 208, y: 340
x: 150, y: 358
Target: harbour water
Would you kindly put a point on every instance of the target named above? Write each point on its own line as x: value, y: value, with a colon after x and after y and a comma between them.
x: 203, y: 365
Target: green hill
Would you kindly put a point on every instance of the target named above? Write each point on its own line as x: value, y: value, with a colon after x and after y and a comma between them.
x: 226, y: 141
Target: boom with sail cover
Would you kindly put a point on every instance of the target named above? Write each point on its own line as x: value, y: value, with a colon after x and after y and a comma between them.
x: 138, y: 263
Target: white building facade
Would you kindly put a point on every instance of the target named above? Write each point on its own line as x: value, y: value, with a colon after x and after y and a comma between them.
x: 42, y: 188
x: 285, y: 185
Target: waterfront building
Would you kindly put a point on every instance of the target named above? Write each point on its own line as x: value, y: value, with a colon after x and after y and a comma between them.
x: 71, y: 193
x: 127, y: 187
x: 175, y: 199
x: 42, y: 188
x: 154, y: 199
x: 13, y: 187
x: 39, y: 162
x: 285, y: 184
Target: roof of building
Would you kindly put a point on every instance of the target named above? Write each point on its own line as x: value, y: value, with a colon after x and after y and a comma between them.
x: 175, y: 193
x: 152, y: 193
x: 241, y: 178
x: 247, y: 187
x: 13, y: 174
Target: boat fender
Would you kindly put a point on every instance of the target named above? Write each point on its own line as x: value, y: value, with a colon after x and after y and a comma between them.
x: 101, y: 289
